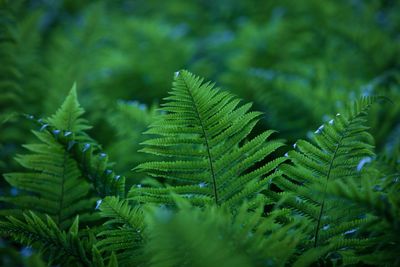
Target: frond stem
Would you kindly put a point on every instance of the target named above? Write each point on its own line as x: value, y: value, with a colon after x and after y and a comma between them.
x: 214, y: 182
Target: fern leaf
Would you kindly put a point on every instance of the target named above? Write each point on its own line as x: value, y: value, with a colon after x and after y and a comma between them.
x: 54, y: 183
x: 60, y: 246
x: 68, y: 116
x: 203, y: 146
x: 334, y: 155
x: 381, y: 204
x: 123, y: 230
x: 214, y: 236
x: 66, y: 171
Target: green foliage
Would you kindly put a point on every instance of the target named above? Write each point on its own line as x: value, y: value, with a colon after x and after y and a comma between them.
x: 61, y: 246
x: 214, y: 236
x: 202, y: 139
x: 338, y: 153
x: 56, y: 183
x: 129, y: 120
x: 19, y: 85
x: 10, y: 76
x: 222, y: 177
x: 123, y: 233
x: 10, y: 80
x: 212, y: 187
x: 378, y: 196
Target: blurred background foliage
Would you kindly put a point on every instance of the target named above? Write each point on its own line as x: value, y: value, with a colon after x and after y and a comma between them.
x: 297, y: 61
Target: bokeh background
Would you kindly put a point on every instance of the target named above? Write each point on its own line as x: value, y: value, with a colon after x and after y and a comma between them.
x: 300, y: 62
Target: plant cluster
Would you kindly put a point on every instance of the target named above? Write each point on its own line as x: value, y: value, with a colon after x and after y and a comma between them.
x: 132, y: 175
x: 203, y: 201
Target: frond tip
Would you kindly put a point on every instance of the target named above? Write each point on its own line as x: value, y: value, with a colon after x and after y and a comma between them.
x: 68, y: 116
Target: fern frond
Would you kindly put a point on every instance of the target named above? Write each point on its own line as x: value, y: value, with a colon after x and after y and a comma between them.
x: 203, y: 146
x: 96, y: 168
x: 335, y: 154
x: 68, y: 116
x: 66, y: 171
x: 91, y: 161
x: 382, y: 203
x: 54, y: 183
x: 61, y: 247
x: 123, y: 230
x: 213, y: 236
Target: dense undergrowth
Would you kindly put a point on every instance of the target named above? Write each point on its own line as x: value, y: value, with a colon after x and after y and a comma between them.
x: 292, y: 159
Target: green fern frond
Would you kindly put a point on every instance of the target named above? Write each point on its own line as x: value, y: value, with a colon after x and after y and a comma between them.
x: 66, y: 171
x: 91, y: 161
x: 96, y: 168
x: 68, y: 116
x: 203, y: 145
x: 123, y: 230
x: 381, y: 201
x: 54, y: 184
x: 336, y: 154
x: 213, y: 236
x: 120, y: 212
x: 61, y: 247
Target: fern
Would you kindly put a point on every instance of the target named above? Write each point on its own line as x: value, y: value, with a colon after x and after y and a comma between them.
x: 91, y: 161
x: 202, y: 143
x: 60, y: 246
x: 55, y: 184
x: 378, y: 196
x: 123, y: 233
x: 335, y: 155
x: 213, y: 236
x: 219, y: 177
